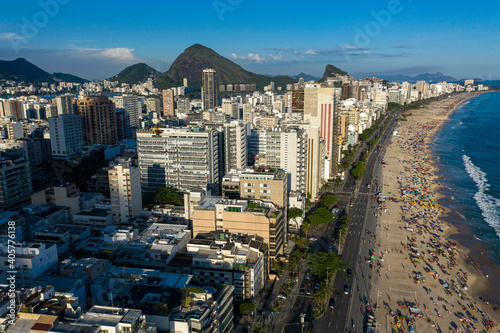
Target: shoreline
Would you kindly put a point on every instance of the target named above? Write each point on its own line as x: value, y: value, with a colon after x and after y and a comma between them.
x: 418, y: 169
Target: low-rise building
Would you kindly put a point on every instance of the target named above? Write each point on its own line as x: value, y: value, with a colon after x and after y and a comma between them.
x: 217, y: 258
x: 242, y: 216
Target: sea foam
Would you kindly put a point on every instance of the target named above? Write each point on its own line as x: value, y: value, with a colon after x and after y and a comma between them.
x: 489, y: 205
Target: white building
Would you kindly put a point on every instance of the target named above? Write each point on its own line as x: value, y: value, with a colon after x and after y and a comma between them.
x: 125, y: 192
x: 31, y: 260
x: 66, y: 138
x: 181, y: 158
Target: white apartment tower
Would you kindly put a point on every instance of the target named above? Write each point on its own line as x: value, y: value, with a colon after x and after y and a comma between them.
x: 235, y: 146
x: 181, y: 158
x: 125, y: 192
x: 66, y: 138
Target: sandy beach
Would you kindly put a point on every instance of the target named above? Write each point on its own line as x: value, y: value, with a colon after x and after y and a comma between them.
x: 430, y: 275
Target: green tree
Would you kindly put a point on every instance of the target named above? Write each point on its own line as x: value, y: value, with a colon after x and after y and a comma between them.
x: 306, y: 227
x: 246, y: 307
x: 320, y: 216
x: 320, y: 261
x: 164, y: 196
x: 359, y: 169
x: 161, y: 309
x: 344, y: 222
x: 329, y: 200
x: 294, y: 212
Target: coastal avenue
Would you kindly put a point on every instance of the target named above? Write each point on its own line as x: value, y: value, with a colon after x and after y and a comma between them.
x: 355, y: 251
x: 339, y: 318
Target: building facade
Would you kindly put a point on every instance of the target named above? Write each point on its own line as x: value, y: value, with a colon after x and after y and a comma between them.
x: 98, y: 120
x: 66, y: 137
x: 209, y: 89
x: 125, y: 192
x: 181, y: 158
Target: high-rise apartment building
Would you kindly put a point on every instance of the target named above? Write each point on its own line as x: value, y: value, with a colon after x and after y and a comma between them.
x: 235, y: 146
x: 132, y: 106
x: 209, y: 89
x: 125, y: 192
x: 153, y: 105
x: 322, y: 110
x: 98, y: 120
x: 181, y: 158
x: 15, y: 184
x: 66, y: 137
x: 65, y: 104
x: 168, y: 102
x: 122, y: 125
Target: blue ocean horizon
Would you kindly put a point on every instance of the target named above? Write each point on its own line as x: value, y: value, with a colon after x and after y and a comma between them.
x: 467, y: 148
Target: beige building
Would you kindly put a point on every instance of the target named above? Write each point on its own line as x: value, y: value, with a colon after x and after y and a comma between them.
x: 98, y: 120
x: 125, y: 192
x: 242, y: 216
x: 67, y: 195
x: 321, y: 110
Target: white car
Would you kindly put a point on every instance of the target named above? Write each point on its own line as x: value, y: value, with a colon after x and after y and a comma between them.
x: 282, y: 296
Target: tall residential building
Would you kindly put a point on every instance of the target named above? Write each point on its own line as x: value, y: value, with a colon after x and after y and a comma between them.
x: 132, y: 106
x: 125, y: 192
x: 168, y: 102
x: 321, y: 110
x: 65, y: 104
x: 209, y: 89
x: 98, y: 120
x: 297, y: 101
x: 181, y: 158
x: 285, y: 149
x: 122, y: 125
x: 66, y: 137
x: 315, y: 162
x: 153, y: 104
x: 235, y: 146
x: 13, y: 108
x: 15, y: 184
x: 242, y: 216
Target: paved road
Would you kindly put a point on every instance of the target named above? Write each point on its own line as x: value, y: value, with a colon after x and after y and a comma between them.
x: 349, y: 307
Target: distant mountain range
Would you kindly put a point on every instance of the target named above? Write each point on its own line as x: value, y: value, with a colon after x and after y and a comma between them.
x: 21, y: 69
x: 437, y: 77
x: 191, y: 63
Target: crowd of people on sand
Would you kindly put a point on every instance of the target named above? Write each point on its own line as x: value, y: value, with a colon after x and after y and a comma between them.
x: 428, y: 251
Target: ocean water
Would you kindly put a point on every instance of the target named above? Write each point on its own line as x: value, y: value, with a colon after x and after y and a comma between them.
x: 467, y: 148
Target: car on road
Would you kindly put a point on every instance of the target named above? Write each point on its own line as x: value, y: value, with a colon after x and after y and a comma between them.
x: 316, y: 286
x: 332, y: 303
x: 349, y: 272
x: 352, y: 203
x: 301, y: 292
x: 282, y: 296
x: 308, y: 292
x: 346, y: 289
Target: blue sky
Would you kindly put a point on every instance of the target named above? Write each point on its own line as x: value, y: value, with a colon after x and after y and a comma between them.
x: 97, y: 39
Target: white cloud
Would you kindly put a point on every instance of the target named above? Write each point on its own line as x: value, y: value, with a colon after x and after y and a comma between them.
x: 255, y: 57
x: 122, y: 55
x: 311, y: 52
x: 10, y: 36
